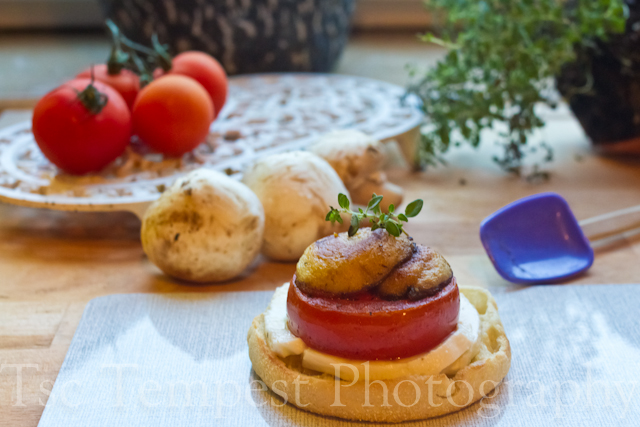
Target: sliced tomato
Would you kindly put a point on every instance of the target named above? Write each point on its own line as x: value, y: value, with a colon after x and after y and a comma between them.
x: 367, y: 327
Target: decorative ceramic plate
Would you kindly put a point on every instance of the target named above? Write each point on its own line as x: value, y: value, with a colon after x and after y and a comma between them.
x: 264, y: 114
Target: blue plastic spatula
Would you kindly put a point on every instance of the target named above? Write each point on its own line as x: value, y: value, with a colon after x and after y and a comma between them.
x: 537, y: 239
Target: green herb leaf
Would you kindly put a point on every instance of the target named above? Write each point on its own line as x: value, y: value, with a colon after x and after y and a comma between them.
x: 413, y: 208
x: 391, y: 208
x: 402, y: 217
x: 374, y: 202
x: 343, y: 200
x: 392, y: 229
x: 355, y: 225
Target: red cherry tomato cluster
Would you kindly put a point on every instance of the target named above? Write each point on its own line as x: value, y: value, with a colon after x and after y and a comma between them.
x: 87, y: 123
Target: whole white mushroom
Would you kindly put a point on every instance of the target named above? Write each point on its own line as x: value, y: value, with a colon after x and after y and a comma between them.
x: 206, y: 227
x: 358, y: 159
x: 296, y: 190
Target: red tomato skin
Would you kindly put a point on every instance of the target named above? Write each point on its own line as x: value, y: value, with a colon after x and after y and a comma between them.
x: 172, y: 114
x: 127, y: 83
x: 157, y: 73
x: 72, y: 138
x: 370, y: 328
x: 207, y: 71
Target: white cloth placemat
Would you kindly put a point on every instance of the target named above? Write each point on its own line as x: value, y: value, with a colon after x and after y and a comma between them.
x: 182, y: 360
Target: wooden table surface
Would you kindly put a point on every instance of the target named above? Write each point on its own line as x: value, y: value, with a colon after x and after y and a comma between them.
x: 53, y: 263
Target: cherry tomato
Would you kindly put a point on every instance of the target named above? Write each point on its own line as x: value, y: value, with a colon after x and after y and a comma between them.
x: 127, y: 83
x: 367, y: 327
x: 73, y: 137
x: 157, y: 73
x: 205, y: 70
x: 172, y: 114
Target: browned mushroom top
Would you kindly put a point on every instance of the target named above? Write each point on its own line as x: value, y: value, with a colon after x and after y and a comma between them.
x: 395, y: 266
x: 421, y: 276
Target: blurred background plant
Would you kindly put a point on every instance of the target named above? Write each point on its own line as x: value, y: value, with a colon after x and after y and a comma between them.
x: 502, y: 62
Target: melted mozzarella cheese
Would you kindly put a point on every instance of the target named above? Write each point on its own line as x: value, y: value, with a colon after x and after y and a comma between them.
x: 284, y: 343
x: 279, y: 338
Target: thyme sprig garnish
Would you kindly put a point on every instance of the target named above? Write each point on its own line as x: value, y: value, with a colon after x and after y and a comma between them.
x: 390, y: 221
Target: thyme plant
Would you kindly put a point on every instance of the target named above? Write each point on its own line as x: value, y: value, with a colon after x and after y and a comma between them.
x: 502, y: 60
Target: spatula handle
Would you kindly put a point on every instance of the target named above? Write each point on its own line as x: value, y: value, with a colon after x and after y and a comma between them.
x: 620, y: 223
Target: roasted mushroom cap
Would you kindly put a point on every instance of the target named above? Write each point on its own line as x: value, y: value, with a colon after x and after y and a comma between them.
x: 340, y: 264
x: 419, y: 277
x: 393, y: 268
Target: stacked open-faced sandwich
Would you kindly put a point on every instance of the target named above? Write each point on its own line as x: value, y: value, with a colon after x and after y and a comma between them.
x: 374, y: 327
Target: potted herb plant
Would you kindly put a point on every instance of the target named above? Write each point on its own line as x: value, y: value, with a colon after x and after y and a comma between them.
x: 602, y: 87
x: 505, y: 58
